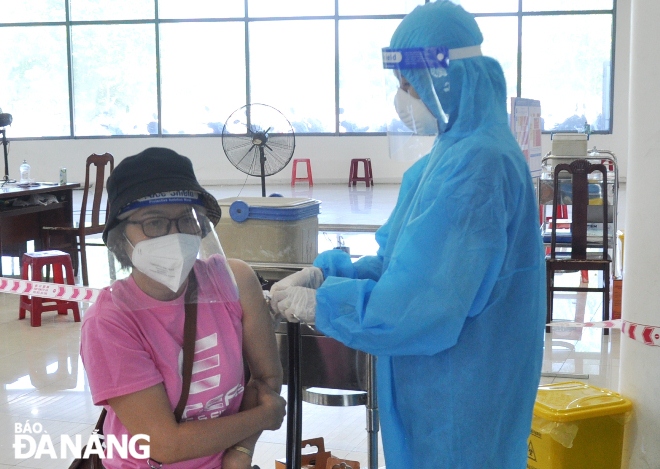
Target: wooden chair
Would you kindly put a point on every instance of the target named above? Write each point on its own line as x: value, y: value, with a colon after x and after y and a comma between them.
x: 578, y: 259
x: 72, y: 238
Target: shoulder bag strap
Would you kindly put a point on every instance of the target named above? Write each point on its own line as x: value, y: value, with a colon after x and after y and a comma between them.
x: 189, y: 331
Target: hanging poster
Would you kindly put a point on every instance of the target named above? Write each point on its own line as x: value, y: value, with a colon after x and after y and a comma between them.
x: 526, y: 127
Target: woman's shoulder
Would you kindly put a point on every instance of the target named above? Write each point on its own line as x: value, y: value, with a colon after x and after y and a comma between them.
x: 240, y: 269
x: 246, y: 278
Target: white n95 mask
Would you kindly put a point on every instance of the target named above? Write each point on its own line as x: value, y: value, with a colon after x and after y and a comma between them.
x: 167, y: 259
x: 414, y: 114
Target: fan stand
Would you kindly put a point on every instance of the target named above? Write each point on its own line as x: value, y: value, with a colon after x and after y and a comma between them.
x: 262, y: 162
x: 5, y: 179
x: 260, y: 139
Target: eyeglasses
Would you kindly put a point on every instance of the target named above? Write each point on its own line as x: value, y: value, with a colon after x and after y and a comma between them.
x: 155, y: 227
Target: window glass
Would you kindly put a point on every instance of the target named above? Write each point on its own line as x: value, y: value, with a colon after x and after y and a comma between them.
x: 568, y: 5
x: 377, y: 7
x: 34, y: 82
x: 269, y: 8
x: 101, y: 10
x: 489, y: 6
x: 201, y: 9
x: 366, y: 90
x: 114, y: 79
x: 199, y: 90
x: 24, y: 11
x: 292, y: 68
x: 501, y: 42
x: 571, y: 78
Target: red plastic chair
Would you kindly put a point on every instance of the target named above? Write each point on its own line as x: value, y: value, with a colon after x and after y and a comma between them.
x: 60, y: 262
x: 353, y: 177
x: 294, y: 174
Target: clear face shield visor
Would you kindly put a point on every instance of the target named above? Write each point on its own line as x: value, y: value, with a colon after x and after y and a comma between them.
x: 168, y: 244
x: 414, y: 79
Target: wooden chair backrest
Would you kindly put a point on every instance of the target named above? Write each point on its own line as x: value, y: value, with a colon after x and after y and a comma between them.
x: 579, y: 170
x: 99, y: 162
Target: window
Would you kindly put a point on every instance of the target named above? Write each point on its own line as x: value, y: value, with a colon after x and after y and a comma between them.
x: 202, y: 76
x: 83, y: 68
x: 566, y: 55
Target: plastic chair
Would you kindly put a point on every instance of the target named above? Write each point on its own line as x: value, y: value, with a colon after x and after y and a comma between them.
x: 578, y: 258
x: 294, y: 176
x: 72, y: 238
x: 60, y: 262
x: 353, y: 177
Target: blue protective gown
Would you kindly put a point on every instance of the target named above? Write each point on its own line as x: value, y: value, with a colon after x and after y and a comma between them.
x: 453, y: 304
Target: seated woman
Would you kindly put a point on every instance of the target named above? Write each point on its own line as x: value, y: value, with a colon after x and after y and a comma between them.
x: 161, y: 225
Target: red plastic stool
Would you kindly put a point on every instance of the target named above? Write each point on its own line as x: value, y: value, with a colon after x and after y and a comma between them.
x: 295, y: 178
x: 366, y: 166
x: 61, y: 264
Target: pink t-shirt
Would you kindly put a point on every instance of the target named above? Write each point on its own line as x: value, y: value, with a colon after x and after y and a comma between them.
x: 131, y: 341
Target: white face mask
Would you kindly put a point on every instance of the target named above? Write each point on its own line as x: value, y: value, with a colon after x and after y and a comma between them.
x: 167, y: 259
x: 414, y: 114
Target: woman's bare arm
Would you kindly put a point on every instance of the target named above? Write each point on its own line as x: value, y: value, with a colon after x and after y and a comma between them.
x: 259, y: 349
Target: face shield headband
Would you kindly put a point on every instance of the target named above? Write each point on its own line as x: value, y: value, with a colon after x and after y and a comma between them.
x: 426, y: 57
x: 419, y: 72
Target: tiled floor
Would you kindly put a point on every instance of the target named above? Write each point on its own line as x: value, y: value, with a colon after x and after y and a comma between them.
x: 43, y: 381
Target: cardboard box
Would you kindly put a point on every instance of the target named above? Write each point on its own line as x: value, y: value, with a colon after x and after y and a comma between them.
x: 315, y: 460
x: 617, y: 287
x: 337, y: 463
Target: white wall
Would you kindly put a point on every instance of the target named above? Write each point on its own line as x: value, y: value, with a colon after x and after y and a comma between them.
x: 329, y: 155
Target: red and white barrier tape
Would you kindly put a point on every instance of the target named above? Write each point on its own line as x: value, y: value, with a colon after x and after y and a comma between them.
x: 648, y: 335
x: 54, y: 291
x: 614, y: 324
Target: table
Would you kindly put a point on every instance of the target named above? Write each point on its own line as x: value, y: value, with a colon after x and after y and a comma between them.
x: 18, y: 225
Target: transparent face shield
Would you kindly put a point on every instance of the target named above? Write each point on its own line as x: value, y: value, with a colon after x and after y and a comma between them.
x: 414, y: 79
x: 164, y: 246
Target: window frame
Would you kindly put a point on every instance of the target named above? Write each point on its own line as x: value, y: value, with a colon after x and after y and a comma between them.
x: 520, y: 14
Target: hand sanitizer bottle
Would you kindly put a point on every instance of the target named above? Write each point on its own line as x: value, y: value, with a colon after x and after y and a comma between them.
x: 25, y: 172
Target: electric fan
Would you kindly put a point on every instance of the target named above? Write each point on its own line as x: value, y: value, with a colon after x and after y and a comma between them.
x: 258, y: 140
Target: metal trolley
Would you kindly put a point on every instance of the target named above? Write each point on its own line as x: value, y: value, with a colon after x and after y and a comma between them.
x: 313, y: 360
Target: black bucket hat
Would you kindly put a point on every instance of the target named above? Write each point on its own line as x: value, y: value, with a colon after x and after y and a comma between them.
x: 150, y: 172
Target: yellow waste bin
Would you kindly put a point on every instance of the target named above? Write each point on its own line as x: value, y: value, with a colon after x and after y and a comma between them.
x: 577, y: 426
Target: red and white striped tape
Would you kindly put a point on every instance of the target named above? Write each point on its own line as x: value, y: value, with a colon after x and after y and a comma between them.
x: 54, y: 291
x: 649, y: 335
x: 614, y: 324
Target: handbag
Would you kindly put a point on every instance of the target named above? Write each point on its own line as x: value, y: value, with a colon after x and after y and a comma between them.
x: 94, y: 461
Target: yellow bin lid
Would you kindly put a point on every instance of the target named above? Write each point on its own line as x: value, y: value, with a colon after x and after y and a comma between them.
x: 573, y: 400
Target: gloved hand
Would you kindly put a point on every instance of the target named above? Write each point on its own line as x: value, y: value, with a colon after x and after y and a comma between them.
x: 309, y: 277
x: 296, y: 304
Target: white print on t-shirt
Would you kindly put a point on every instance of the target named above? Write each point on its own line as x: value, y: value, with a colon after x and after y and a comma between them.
x: 201, y: 365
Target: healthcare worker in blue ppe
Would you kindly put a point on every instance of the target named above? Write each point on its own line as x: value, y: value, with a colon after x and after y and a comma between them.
x: 453, y: 304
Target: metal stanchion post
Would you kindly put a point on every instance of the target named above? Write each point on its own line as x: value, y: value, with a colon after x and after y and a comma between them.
x: 294, y: 401
x: 372, y: 413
